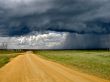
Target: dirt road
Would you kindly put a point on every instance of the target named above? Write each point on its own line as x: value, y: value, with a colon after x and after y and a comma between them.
x: 31, y: 68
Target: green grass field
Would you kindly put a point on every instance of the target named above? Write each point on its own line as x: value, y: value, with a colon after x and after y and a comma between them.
x: 6, y: 55
x: 92, y: 62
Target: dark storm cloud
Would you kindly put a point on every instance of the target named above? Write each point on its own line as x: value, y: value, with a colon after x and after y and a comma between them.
x: 86, y: 41
x: 78, y: 16
x: 87, y: 22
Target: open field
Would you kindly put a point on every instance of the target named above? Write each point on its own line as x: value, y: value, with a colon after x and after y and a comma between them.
x: 92, y: 62
x: 6, y: 56
x: 29, y: 67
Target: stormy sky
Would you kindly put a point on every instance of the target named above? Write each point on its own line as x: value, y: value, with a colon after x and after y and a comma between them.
x: 55, y: 24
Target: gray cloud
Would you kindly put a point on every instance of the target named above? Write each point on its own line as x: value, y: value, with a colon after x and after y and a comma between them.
x: 84, y: 20
x: 56, y: 15
x: 86, y: 41
x: 49, y: 40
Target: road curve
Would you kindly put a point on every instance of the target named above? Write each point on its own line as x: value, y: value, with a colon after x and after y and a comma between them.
x: 31, y: 68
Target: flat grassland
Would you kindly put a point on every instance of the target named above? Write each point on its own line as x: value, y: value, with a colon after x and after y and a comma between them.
x: 6, y: 56
x: 95, y: 62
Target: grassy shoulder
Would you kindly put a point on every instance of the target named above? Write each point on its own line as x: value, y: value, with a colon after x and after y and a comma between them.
x: 6, y: 56
x: 92, y: 62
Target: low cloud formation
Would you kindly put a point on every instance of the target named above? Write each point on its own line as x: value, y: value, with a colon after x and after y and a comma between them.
x: 50, y: 40
x: 83, y: 20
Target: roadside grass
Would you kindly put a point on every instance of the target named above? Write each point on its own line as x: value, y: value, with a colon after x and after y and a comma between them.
x: 6, y: 56
x: 92, y: 62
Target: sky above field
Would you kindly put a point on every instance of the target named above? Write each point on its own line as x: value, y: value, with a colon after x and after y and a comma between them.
x: 55, y: 24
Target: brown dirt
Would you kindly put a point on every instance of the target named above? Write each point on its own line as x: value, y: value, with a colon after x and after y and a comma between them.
x: 31, y: 68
